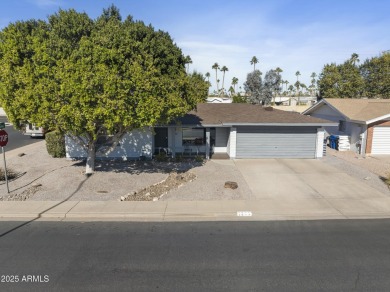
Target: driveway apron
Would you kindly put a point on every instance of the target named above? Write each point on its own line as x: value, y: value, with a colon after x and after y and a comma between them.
x: 300, y: 179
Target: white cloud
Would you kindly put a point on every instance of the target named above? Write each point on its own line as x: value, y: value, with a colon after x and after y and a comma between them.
x: 46, y: 3
x: 305, y: 47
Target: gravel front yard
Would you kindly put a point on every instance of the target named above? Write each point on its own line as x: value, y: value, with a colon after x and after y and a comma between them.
x: 371, y: 170
x: 44, y: 178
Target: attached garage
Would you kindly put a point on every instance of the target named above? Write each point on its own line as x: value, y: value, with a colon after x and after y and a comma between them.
x: 276, y: 142
x: 381, y: 140
x: 242, y: 130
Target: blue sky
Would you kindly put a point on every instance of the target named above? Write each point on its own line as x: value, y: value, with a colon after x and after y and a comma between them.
x: 290, y: 34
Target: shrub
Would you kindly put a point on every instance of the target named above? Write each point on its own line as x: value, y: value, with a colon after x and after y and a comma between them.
x: 161, y: 157
x: 11, y: 174
x: 55, y: 144
x: 387, y: 181
x: 199, y: 158
x: 179, y: 158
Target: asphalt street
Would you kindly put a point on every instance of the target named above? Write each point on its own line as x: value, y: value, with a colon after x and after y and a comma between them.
x: 333, y: 255
x: 16, y: 138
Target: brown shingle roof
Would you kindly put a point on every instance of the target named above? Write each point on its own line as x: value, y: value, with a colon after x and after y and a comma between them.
x: 361, y: 109
x: 242, y: 113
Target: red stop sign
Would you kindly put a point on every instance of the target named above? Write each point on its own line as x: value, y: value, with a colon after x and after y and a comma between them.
x: 3, y: 138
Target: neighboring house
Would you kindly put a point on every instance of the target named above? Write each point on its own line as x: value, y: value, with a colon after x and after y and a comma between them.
x: 365, y: 121
x: 231, y: 130
x: 212, y: 99
x: 292, y: 100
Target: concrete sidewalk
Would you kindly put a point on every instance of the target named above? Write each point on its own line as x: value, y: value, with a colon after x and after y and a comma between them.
x: 249, y: 210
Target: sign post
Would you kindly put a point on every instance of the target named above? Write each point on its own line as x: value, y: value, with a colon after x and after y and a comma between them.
x: 3, y: 142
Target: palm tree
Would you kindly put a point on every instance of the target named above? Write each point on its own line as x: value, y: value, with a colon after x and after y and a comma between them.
x: 291, y: 88
x: 208, y: 80
x: 354, y: 59
x: 304, y: 87
x: 223, y: 69
x: 187, y: 61
x: 313, y: 81
x: 297, y: 74
x: 297, y: 84
x: 231, y: 90
x: 278, y: 71
x: 216, y: 67
x: 234, y: 83
x: 286, y: 82
x: 254, y: 61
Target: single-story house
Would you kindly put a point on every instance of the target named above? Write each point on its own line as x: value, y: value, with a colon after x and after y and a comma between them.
x: 365, y: 121
x: 228, y: 129
x: 213, y: 99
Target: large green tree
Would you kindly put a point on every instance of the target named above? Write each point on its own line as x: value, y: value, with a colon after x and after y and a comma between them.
x: 343, y: 80
x: 376, y: 76
x: 329, y: 81
x: 93, y: 78
x: 271, y: 85
x: 253, y: 87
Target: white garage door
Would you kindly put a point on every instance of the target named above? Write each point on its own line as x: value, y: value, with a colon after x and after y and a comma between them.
x: 381, y: 140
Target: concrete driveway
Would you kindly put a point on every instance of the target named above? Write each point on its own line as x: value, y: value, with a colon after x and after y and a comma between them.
x: 297, y: 179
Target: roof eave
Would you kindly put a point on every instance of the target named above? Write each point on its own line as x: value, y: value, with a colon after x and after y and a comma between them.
x: 313, y: 107
x: 358, y: 121
x: 324, y: 101
x: 378, y: 119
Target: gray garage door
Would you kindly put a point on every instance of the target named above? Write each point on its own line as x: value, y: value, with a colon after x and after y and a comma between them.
x: 276, y: 142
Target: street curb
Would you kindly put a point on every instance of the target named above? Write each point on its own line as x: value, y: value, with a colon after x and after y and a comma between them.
x: 171, y: 211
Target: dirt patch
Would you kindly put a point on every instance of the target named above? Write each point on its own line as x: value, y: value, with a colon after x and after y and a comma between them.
x: 156, y: 191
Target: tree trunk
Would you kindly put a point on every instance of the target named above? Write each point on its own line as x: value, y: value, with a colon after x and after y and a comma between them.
x: 223, y: 83
x: 216, y: 80
x: 90, y: 165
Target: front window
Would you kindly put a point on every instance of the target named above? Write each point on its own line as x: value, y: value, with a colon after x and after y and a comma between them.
x: 194, y: 136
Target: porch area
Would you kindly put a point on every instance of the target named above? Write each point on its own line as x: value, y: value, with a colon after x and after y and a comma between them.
x: 185, y: 141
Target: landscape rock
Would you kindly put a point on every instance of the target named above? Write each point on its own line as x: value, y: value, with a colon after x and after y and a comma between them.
x: 154, y: 192
x: 231, y: 185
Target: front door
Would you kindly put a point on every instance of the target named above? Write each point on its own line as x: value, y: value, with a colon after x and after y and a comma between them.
x: 160, y: 139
